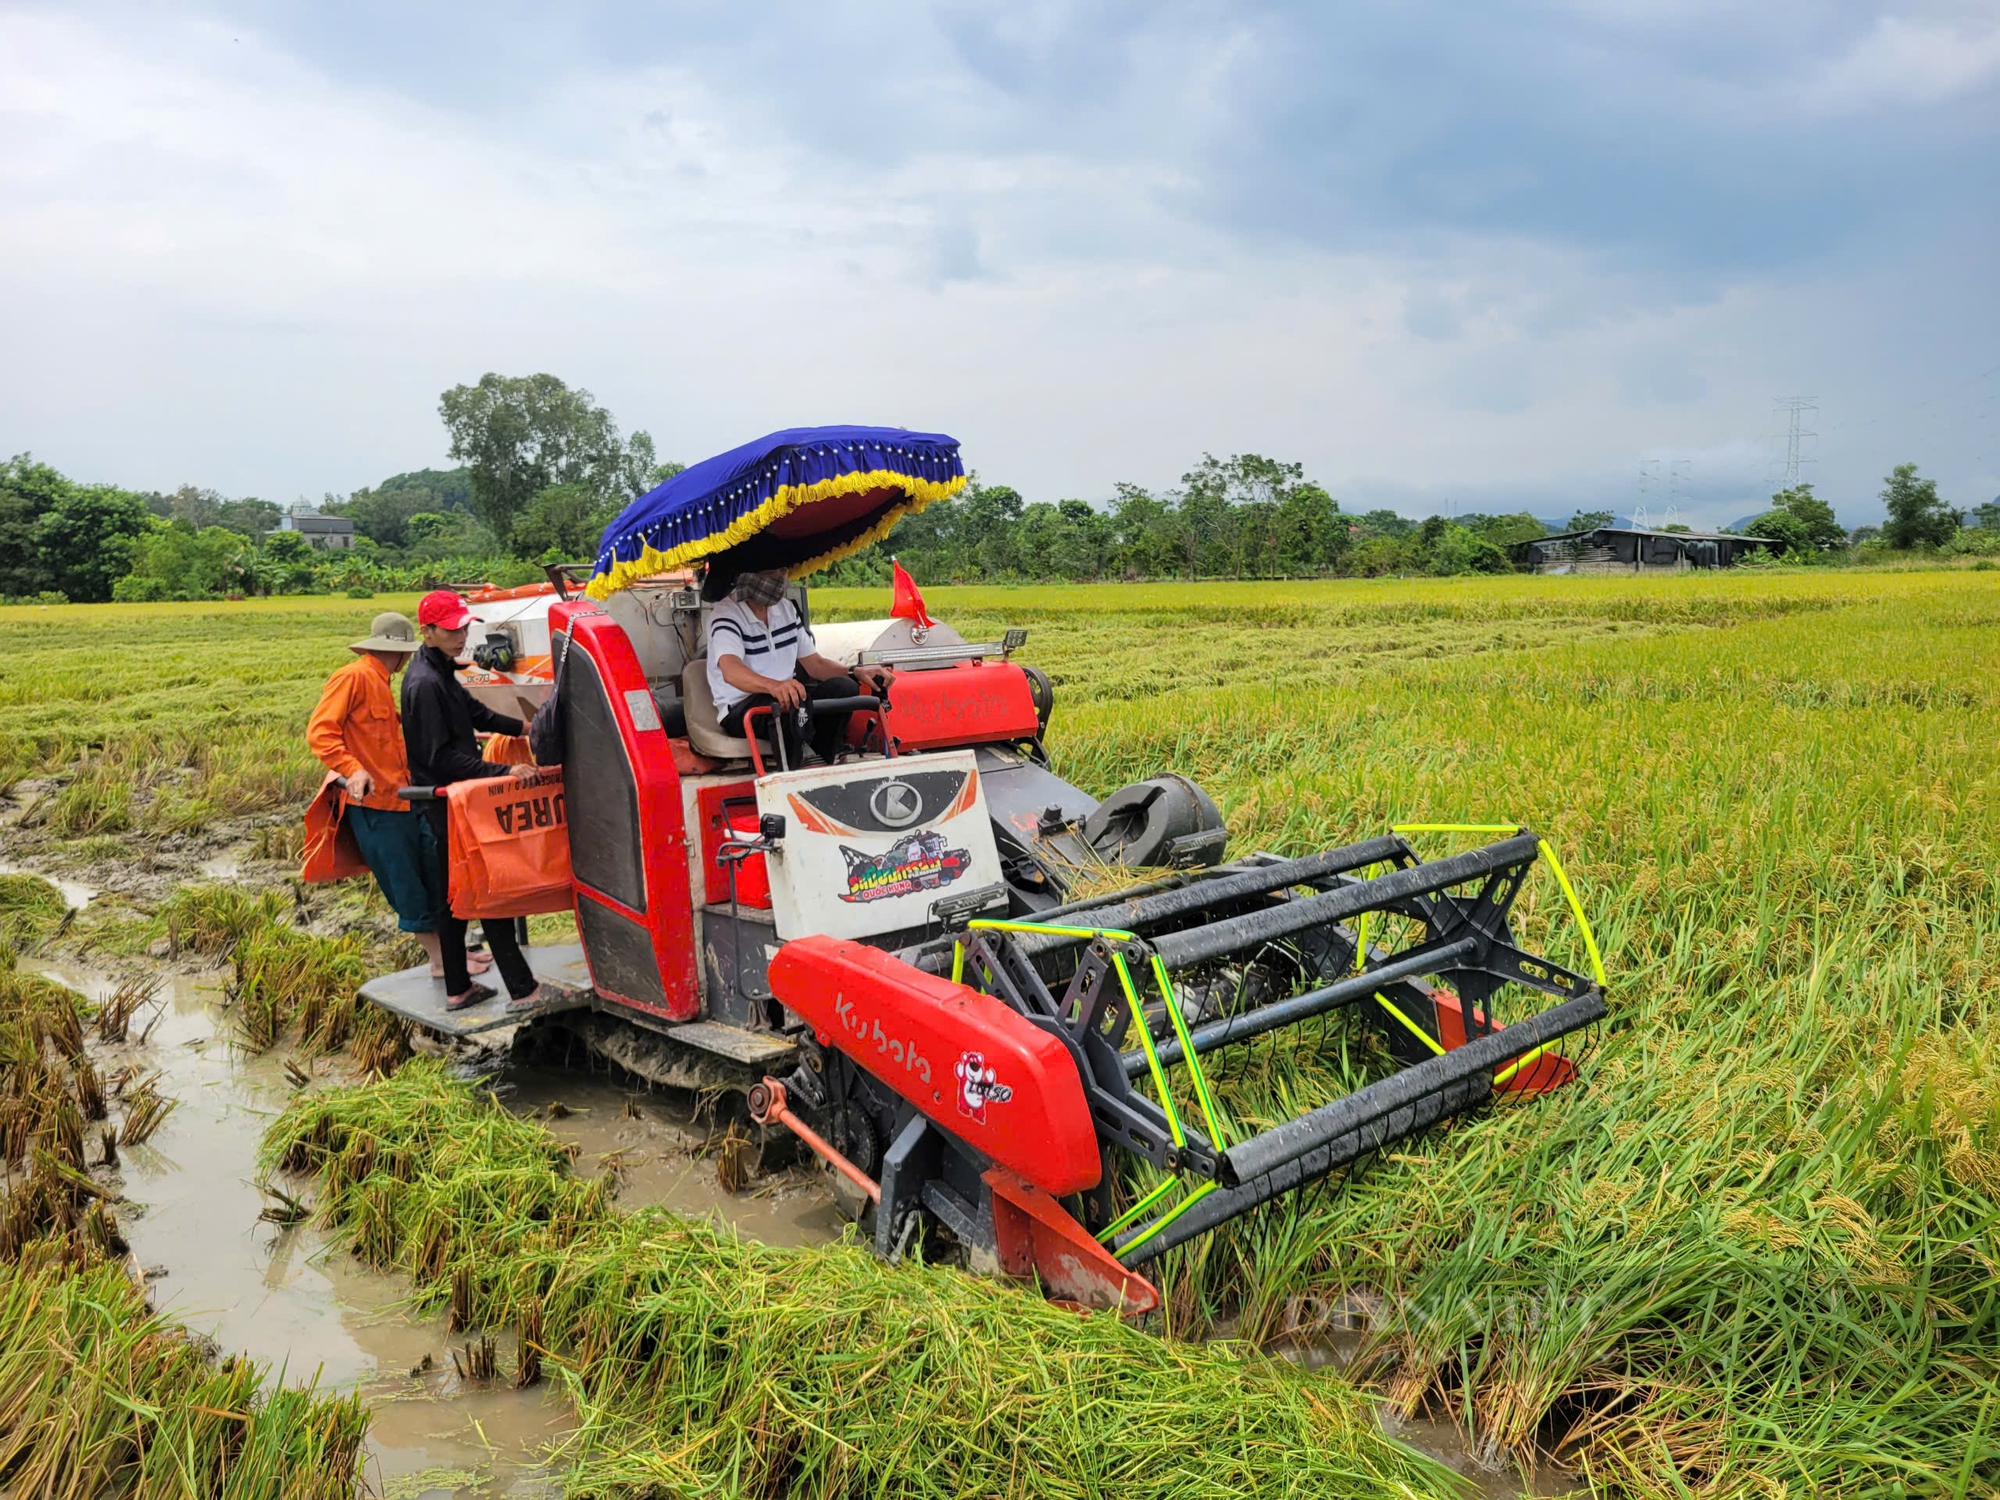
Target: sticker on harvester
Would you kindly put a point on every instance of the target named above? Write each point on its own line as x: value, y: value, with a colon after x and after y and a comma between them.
x: 920, y: 862
x: 978, y: 1086
x: 871, y: 846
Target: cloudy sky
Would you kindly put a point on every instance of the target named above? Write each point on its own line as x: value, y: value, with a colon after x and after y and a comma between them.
x: 1450, y: 257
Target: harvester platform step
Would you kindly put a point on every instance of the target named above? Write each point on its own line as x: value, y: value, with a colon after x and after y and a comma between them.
x: 756, y: 1048
x: 415, y: 996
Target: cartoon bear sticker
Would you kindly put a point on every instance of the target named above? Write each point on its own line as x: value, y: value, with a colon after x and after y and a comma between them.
x: 978, y: 1086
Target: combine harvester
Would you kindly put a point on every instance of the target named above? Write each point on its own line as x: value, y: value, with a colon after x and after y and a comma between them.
x: 885, y: 954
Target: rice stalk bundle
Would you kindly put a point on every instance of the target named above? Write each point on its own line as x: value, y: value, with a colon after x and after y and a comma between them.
x: 144, y: 1111
x: 99, y: 1396
x: 703, y: 1363
x: 31, y: 911
x: 212, y: 919
x: 114, y: 1017
x: 287, y: 978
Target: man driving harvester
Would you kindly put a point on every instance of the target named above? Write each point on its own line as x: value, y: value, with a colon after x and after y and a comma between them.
x: 760, y: 655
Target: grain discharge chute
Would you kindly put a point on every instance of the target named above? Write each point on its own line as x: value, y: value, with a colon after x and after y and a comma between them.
x: 889, y: 955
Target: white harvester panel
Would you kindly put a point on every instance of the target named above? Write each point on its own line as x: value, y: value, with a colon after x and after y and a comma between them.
x: 872, y: 848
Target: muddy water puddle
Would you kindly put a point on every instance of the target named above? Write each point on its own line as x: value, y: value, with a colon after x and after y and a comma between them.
x: 659, y: 1149
x: 286, y: 1297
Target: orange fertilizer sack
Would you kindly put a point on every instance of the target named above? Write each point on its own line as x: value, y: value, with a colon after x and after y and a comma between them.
x: 509, y: 846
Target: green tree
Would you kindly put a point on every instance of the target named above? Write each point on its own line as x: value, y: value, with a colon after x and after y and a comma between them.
x: 1784, y: 526
x: 28, y: 490
x: 1588, y: 520
x: 436, y: 536
x: 1230, y: 509
x: 201, y: 508
x: 1506, y: 531
x: 1145, y: 533
x: 175, y: 561
x: 564, y: 519
x: 382, y: 512
x: 1823, y: 529
x: 84, y: 539
x: 521, y: 435
x: 1312, y: 533
x: 289, y: 557
x: 1457, y: 549
x: 1386, y: 523
x: 1917, y: 517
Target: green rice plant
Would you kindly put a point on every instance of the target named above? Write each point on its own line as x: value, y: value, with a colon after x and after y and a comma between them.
x: 286, y: 841
x: 285, y: 977
x: 97, y: 799
x: 99, y: 1396
x: 1753, y: 1245
x: 176, y: 810
x: 700, y: 1363
x: 31, y: 911
x: 213, y: 919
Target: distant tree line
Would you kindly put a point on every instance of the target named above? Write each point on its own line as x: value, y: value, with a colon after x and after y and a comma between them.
x: 543, y: 470
x: 1246, y: 516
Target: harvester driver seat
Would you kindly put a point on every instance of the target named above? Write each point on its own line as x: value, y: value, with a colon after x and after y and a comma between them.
x: 704, y: 724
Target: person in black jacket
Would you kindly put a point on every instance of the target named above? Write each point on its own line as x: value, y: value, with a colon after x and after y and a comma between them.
x: 439, y: 718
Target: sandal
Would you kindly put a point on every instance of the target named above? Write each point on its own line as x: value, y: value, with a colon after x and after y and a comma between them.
x: 479, y: 994
x: 533, y: 1000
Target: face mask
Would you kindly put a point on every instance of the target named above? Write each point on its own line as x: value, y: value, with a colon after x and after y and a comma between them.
x: 759, y: 588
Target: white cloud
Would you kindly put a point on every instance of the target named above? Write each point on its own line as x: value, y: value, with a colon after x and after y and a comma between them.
x: 222, y: 264
x: 1903, y: 60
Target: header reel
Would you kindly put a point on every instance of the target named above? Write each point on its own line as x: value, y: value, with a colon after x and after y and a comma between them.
x: 1104, y: 1014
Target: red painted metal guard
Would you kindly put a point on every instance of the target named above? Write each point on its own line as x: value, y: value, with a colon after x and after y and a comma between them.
x: 972, y: 703
x: 964, y: 1059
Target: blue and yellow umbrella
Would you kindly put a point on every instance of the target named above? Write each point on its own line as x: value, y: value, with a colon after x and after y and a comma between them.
x: 795, y: 500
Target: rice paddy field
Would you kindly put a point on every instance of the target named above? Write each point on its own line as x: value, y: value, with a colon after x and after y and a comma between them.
x: 1751, y: 1251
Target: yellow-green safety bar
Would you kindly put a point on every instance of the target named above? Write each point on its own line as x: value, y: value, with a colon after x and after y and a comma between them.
x: 1210, y: 1116
x: 1575, y: 906
x: 1548, y: 853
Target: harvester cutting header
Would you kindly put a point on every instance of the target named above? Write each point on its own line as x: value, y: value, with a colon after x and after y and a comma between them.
x: 830, y: 866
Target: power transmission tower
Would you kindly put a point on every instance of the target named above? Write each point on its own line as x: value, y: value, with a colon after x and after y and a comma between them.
x: 1798, y: 411
x: 1649, y: 489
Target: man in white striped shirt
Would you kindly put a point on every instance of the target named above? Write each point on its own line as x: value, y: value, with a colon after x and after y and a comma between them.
x: 760, y: 654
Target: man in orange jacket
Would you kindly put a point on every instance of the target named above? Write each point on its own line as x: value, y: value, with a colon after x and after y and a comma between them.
x: 357, y: 730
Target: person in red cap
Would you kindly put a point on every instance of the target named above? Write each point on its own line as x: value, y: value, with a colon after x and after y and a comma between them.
x: 439, y: 720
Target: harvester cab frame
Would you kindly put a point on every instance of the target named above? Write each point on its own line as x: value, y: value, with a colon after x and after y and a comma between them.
x: 892, y: 957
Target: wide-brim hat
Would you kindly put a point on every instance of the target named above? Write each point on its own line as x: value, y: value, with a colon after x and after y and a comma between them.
x: 390, y: 632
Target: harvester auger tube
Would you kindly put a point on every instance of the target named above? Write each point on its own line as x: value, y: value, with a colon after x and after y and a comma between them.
x: 1053, y: 1022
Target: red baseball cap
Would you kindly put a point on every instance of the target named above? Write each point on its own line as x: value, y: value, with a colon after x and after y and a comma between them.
x: 443, y: 608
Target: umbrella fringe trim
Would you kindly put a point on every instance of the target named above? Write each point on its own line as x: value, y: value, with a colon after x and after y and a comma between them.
x: 790, y: 497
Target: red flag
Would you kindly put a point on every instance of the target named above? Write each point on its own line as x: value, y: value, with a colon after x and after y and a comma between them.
x: 909, y: 603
